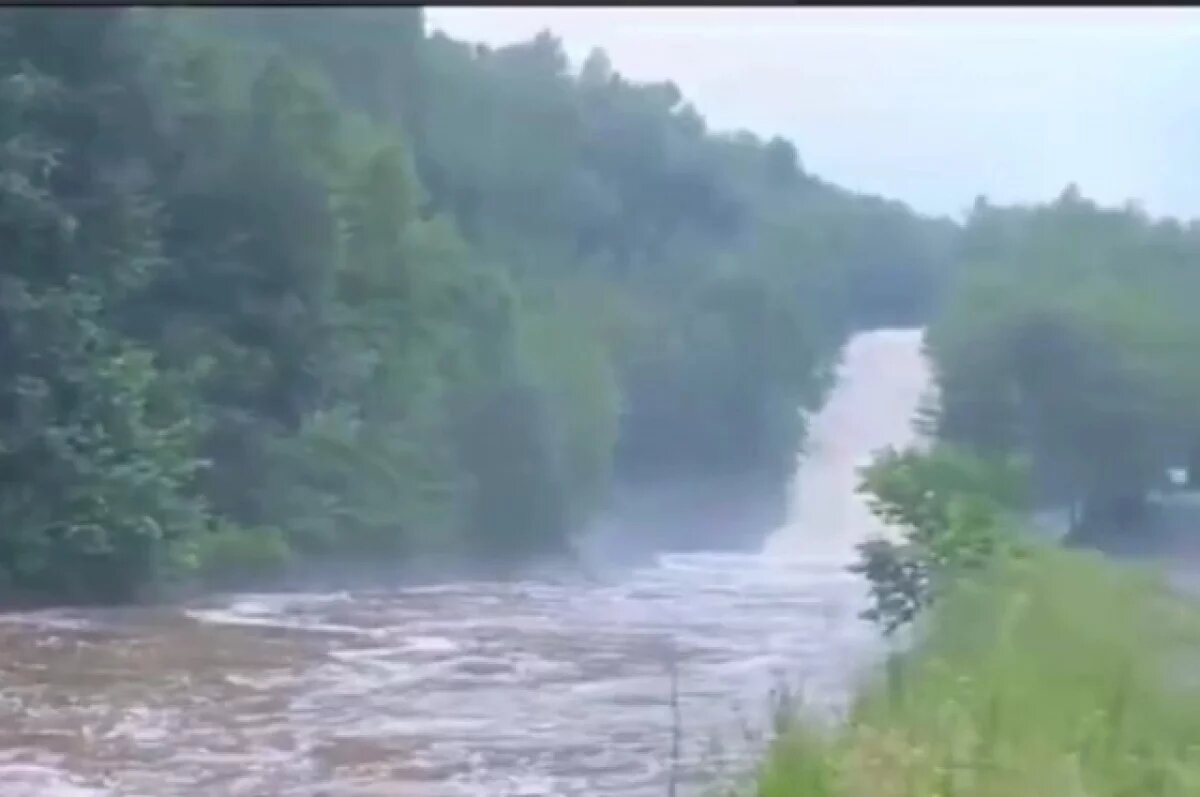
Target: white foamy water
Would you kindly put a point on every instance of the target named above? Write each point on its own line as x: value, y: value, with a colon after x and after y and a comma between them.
x: 473, y: 688
x: 882, y: 380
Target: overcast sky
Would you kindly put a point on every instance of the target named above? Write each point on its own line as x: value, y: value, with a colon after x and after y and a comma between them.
x: 932, y: 106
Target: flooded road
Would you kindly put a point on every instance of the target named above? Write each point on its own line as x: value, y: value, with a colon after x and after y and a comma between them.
x: 472, y: 688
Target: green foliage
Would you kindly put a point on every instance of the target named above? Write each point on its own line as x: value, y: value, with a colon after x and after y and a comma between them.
x: 951, y: 511
x: 309, y: 284
x: 230, y: 556
x: 1056, y: 673
x: 566, y: 345
x: 1066, y: 338
x: 95, y: 440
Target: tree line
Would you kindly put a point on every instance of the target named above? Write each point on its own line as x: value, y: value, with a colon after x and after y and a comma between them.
x: 1068, y: 339
x: 291, y: 286
x: 304, y: 286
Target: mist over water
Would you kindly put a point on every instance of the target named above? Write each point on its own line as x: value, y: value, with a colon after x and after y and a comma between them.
x: 537, y: 687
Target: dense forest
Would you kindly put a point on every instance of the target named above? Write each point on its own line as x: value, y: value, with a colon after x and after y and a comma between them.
x: 1068, y: 340
x: 316, y: 286
x: 291, y: 286
x: 293, y: 291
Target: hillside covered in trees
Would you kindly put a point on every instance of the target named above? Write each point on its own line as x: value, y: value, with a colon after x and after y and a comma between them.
x: 290, y: 286
x: 313, y: 285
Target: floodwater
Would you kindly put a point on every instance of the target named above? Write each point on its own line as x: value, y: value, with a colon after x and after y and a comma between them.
x: 535, y: 687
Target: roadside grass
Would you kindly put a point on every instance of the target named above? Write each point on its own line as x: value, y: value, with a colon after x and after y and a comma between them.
x: 1056, y: 675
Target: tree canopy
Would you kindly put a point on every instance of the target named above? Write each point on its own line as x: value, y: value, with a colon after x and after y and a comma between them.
x: 289, y: 285
x: 1068, y: 337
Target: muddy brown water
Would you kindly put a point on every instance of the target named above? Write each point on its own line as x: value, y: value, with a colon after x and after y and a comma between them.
x: 476, y: 688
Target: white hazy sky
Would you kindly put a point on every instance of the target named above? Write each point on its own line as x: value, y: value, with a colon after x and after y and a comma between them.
x: 932, y: 106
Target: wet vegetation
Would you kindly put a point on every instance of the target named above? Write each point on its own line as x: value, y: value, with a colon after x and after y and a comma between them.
x: 297, y: 287
x: 1028, y: 669
x: 1031, y: 669
x: 1053, y: 673
x: 1065, y: 363
x: 305, y: 288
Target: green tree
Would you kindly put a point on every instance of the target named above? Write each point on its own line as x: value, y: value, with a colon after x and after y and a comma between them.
x: 95, y: 439
x: 952, y: 512
x: 1064, y: 339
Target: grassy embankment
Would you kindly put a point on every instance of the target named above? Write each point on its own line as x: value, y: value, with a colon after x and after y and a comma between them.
x: 1057, y: 675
